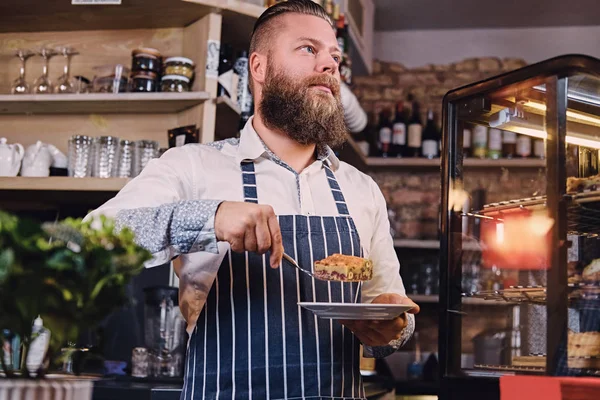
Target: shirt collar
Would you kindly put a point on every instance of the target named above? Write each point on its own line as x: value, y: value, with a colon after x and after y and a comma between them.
x: 252, y: 147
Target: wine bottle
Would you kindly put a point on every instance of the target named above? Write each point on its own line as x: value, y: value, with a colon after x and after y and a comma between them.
x: 399, y: 147
x: 415, y: 130
x: 431, y: 139
x: 385, y: 133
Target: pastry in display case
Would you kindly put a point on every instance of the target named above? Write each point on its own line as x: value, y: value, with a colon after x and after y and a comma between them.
x: 537, y: 253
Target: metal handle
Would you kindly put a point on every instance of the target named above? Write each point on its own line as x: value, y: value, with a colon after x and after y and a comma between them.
x: 295, y: 264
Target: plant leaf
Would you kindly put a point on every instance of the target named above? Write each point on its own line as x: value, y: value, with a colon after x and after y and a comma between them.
x: 7, y: 258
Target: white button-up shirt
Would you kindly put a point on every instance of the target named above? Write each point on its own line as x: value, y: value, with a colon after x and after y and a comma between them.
x: 211, y: 173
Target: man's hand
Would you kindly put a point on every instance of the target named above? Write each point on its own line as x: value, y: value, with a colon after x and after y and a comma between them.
x: 381, y: 333
x: 249, y: 227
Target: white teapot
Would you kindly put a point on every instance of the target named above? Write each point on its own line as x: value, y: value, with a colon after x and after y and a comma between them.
x: 10, y: 158
x: 37, y: 160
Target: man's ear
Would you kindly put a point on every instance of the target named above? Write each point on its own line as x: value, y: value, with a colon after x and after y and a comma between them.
x: 258, y: 67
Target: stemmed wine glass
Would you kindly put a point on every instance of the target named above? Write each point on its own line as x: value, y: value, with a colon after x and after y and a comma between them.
x: 65, y: 84
x: 20, y: 85
x: 42, y: 84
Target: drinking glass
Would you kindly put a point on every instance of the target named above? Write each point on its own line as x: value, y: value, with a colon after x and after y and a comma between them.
x: 125, y: 163
x: 42, y: 84
x: 65, y: 83
x: 80, y: 156
x: 144, y: 151
x: 20, y: 85
x: 140, y: 362
x: 106, y: 150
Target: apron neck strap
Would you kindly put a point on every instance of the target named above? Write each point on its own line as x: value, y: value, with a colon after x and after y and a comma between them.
x: 251, y: 192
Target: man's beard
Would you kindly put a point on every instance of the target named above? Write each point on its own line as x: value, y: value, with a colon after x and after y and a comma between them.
x: 307, y: 115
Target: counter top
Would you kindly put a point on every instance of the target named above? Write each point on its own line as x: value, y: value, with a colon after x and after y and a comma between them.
x: 112, y: 389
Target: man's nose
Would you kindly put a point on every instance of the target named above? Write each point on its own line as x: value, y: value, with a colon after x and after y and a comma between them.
x: 326, y: 64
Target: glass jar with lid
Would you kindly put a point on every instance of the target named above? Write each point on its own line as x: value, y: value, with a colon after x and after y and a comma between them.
x: 179, y: 66
x: 144, y: 82
x: 175, y: 83
x: 146, y: 59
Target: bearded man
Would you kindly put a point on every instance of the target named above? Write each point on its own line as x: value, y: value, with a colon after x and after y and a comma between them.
x: 230, y: 209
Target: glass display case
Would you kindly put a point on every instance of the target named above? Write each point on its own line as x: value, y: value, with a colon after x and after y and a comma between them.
x: 539, y: 253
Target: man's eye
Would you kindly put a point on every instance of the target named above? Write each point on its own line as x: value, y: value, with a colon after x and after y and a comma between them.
x: 337, y: 59
x: 310, y: 49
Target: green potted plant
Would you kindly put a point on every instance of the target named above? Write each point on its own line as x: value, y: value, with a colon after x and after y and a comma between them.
x: 70, y: 273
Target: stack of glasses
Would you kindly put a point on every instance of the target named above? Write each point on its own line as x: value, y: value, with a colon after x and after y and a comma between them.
x: 108, y: 156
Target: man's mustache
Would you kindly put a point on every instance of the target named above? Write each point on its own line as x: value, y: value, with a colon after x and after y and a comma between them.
x: 324, y: 80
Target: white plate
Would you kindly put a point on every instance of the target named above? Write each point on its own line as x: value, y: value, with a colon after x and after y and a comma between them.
x: 355, y: 311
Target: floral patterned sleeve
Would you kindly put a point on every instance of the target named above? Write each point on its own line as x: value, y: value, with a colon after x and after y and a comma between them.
x: 394, y: 345
x: 181, y: 227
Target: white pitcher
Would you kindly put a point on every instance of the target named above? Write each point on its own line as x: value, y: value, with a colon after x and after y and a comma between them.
x: 10, y: 158
x: 37, y: 160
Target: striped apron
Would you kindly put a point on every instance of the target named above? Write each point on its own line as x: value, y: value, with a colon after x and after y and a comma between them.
x: 252, y: 340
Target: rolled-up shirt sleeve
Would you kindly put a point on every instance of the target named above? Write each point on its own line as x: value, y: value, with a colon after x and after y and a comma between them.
x: 386, y: 273
x: 160, y: 207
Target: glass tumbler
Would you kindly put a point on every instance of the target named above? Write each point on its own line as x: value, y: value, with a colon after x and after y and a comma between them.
x: 143, y: 152
x: 106, y: 150
x: 140, y: 362
x: 80, y: 156
x: 125, y: 162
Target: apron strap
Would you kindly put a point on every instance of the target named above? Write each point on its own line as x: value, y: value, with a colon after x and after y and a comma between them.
x: 249, y: 182
x: 251, y: 192
x: 338, y: 196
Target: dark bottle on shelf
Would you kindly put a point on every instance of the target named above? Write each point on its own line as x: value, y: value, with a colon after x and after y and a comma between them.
x: 342, y: 33
x: 243, y: 96
x: 227, y: 86
x: 431, y: 138
x: 244, y: 117
x: 415, y: 131
x: 399, y: 147
x: 385, y: 133
x: 414, y: 370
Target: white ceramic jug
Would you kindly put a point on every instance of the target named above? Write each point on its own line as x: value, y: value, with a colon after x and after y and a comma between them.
x: 10, y: 158
x: 37, y: 160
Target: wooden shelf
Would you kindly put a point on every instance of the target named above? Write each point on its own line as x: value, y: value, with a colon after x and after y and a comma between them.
x: 434, y: 298
x: 65, y: 195
x: 351, y: 153
x: 505, y: 163
x: 416, y: 244
x: 97, y: 103
x: 227, y: 105
x: 42, y: 15
x: 62, y: 183
x: 469, y: 162
x: 429, y: 244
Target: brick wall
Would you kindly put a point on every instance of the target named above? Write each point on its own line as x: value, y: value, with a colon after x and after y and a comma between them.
x: 414, y: 195
x: 391, y: 82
